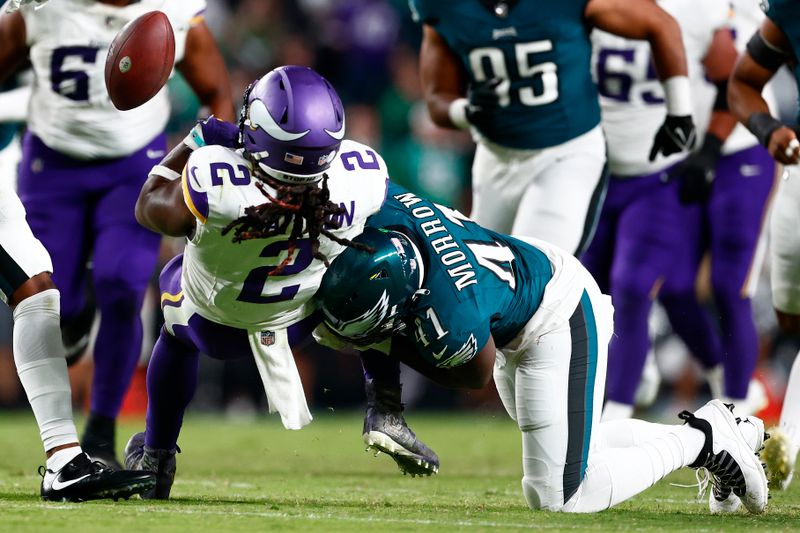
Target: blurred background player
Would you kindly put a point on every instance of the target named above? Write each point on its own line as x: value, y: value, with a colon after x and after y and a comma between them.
x: 462, y: 303
x: 518, y: 74
x: 83, y: 165
x: 777, y: 42
x: 640, y: 237
x: 732, y: 182
x: 262, y: 223
x: 26, y: 286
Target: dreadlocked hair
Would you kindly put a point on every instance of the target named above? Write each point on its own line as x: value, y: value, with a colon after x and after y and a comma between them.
x: 307, y: 208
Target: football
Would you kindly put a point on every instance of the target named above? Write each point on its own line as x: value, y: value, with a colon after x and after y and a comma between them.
x: 140, y: 60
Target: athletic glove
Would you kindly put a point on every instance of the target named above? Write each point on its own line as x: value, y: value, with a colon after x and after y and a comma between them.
x: 212, y: 131
x: 485, y: 99
x: 676, y: 134
x: 696, y: 174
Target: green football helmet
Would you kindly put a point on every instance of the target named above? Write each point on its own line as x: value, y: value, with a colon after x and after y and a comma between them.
x: 363, y: 294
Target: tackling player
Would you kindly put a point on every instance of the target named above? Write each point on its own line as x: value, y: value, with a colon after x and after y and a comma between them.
x: 777, y: 42
x: 262, y: 222
x: 458, y: 302
x: 26, y: 286
x: 82, y: 167
x: 518, y: 75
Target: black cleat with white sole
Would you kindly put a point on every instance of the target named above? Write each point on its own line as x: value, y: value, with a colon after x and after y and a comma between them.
x: 83, y: 479
x: 385, y: 430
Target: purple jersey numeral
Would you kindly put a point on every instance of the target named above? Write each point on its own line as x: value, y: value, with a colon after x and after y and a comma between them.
x: 242, y: 178
x: 72, y: 84
x: 618, y: 85
x: 253, y: 288
x: 363, y: 164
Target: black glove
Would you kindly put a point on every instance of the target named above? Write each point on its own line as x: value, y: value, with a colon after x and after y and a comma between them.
x: 696, y: 173
x: 484, y: 100
x: 676, y: 134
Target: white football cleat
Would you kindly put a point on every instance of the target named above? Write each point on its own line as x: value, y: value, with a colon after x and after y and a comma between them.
x: 728, y: 457
x: 779, y: 455
x: 724, y: 500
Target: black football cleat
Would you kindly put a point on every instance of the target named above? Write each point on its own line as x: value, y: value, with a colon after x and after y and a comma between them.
x: 161, y: 463
x: 83, y: 479
x: 385, y: 430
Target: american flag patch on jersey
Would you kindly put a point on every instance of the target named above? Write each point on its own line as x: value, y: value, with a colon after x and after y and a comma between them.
x: 267, y: 338
x: 293, y: 158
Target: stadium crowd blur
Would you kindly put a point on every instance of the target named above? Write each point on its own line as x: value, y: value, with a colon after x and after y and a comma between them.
x: 368, y: 50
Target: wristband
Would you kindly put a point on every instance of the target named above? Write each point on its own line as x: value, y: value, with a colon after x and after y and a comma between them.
x: 458, y: 113
x: 762, y: 125
x: 165, y: 172
x: 195, y: 138
x: 678, y: 95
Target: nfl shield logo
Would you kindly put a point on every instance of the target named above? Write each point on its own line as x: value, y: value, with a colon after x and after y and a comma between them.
x: 267, y: 338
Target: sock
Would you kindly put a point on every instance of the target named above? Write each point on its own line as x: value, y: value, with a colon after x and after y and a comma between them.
x: 622, y: 433
x: 615, y: 410
x: 614, y: 475
x: 715, y: 376
x: 60, y: 458
x: 790, y: 414
x: 100, y: 432
x: 39, y: 356
x: 117, y: 348
x: 381, y: 368
x: 171, y: 383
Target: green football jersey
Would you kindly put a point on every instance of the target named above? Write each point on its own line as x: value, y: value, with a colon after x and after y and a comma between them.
x: 477, y: 282
x: 542, y: 48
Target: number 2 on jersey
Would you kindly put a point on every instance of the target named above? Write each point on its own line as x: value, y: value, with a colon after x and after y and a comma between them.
x: 253, y: 287
x: 544, y: 76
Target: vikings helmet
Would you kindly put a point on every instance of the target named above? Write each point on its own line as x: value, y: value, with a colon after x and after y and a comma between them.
x: 363, y: 294
x: 292, y: 124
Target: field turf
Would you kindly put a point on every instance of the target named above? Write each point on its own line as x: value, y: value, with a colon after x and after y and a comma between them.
x: 255, y: 476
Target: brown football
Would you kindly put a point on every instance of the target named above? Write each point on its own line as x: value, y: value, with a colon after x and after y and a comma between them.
x: 140, y: 60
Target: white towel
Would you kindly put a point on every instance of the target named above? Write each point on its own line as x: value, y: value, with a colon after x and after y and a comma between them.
x: 279, y: 375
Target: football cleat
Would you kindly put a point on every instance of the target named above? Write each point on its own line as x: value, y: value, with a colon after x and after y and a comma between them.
x: 779, y: 455
x: 83, y: 479
x: 160, y: 462
x: 722, y: 499
x: 729, y: 459
x: 385, y: 430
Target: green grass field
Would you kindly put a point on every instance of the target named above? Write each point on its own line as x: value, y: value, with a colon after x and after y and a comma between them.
x: 257, y: 476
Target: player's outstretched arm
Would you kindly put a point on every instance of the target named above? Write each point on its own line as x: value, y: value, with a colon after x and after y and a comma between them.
x: 766, y: 52
x: 474, y: 374
x: 204, y: 70
x: 13, y: 49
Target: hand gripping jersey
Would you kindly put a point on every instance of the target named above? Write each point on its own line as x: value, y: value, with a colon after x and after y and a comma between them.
x: 786, y: 15
x: 479, y: 282
x: 631, y: 95
x: 542, y: 48
x: 70, y: 109
x: 231, y: 283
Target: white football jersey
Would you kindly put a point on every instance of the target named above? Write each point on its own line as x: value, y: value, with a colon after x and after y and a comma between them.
x: 746, y: 17
x: 70, y: 109
x: 631, y: 95
x: 230, y: 283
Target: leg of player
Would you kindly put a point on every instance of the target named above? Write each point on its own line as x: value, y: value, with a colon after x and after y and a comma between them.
x: 496, y: 188
x: 780, y: 451
x: 562, y: 203
x: 39, y: 357
x: 121, y: 275
x: 566, y: 466
x: 385, y: 429
x: 648, y: 236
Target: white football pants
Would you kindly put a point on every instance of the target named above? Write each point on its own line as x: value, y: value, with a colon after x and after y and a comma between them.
x: 553, y: 194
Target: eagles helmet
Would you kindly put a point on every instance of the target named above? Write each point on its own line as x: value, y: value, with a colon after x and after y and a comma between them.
x: 363, y: 294
x: 291, y: 124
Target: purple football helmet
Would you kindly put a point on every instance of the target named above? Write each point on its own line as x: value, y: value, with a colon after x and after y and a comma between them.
x: 292, y: 124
